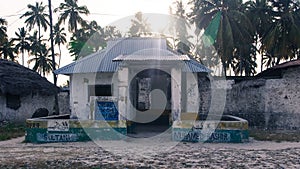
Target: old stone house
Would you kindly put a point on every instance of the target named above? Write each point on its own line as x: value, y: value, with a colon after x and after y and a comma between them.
x: 129, y: 70
x: 137, y: 74
x: 22, y: 92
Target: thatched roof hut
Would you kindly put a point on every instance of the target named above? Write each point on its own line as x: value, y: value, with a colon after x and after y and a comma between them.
x: 16, y: 79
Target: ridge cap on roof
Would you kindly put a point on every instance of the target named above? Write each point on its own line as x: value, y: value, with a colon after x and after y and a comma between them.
x: 135, y: 38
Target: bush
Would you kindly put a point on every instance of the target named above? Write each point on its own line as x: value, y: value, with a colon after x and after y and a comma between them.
x: 9, y: 131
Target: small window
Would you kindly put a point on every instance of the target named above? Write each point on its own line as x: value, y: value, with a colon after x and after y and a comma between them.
x: 100, y: 90
x: 13, y: 101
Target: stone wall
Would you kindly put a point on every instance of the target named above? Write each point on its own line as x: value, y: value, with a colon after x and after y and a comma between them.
x: 29, y: 104
x: 247, y: 100
x: 64, y: 103
x: 265, y: 103
x: 204, y: 87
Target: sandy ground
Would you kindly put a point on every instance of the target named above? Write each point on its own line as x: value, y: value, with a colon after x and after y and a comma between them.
x: 131, y: 154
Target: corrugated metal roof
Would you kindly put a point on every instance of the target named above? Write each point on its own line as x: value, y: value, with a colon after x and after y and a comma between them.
x: 194, y: 66
x: 288, y: 64
x: 276, y: 71
x: 151, y: 57
x: 143, y: 48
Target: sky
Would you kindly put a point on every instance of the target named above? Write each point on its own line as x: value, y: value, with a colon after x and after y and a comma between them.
x: 105, y: 12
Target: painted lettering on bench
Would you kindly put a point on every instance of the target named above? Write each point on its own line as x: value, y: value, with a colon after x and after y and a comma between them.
x: 58, y: 125
x: 197, y: 136
x: 33, y: 125
x: 56, y: 137
x: 224, y: 137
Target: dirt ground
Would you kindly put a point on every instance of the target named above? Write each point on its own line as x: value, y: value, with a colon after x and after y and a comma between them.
x: 127, y: 154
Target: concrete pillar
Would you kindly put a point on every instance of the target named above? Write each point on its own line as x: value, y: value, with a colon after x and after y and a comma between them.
x: 85, y: 104
x: 123, y: 92
x: 192, y: 94
x: 176, y: 93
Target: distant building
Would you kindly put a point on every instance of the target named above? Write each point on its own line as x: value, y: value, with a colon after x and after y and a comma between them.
x: 22, y: 92
x: 269, y: 100
x: 127, y: 72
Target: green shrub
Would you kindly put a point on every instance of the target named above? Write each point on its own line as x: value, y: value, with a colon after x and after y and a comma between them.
x: 9, y: 131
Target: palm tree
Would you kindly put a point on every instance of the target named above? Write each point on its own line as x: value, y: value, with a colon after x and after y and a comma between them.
x: 282, y: 38
x: 139, y: 26
x: 36, y: 44
x: 36, y: 16
x: 111, y: 32
x: 90, y: 38
x: 8, y: 50
x: 59, y: 37
x: 261, y: 15
x: 71, y: 10
x: 23, y: 42
x: 43, y: 63
x: 3, y: 30
x: 179, y: 26
x: 234, y: 35
x: 95, y: 35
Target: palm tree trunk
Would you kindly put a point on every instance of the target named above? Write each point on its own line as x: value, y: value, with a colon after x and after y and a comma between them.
x: 59, y: 55
x: 56, y: 106
x: 224, y: 68
x: 262, y: 60
x: 39, y: 32
x: 75, y: 29
x: 22, y: 57
x: 241, y: 66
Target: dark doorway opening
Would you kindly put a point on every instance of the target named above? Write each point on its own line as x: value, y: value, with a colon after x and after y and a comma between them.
x: 140, y: 87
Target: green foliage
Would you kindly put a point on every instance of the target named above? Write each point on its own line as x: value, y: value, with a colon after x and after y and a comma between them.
x: 282, y: 40
x: 9, y: 131
x: 111, y: 32
x: 88, y: 39
x: 211, y: 32
x: 43, y: 60
x: 139, y: 26
x: 36, y: 16
x: 178, y: 27
x: 3, y: 30
x: 243, y: 29
x: 8, y: 50
x: 71, y: 11
x: 78, y: 48
x: 235, y: 33
x: 91, y: 38
x: 59, y: 37
x: 23, y: 42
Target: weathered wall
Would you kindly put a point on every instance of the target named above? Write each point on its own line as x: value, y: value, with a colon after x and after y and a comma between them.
x: 204, y: 88
x: 79, y: 99
x: 267, y: 103
x: 247, y: 100
x: 29, y: 104
x: 64, y: 103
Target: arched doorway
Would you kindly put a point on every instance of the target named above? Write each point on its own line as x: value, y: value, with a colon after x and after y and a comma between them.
x: 140, y: 89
